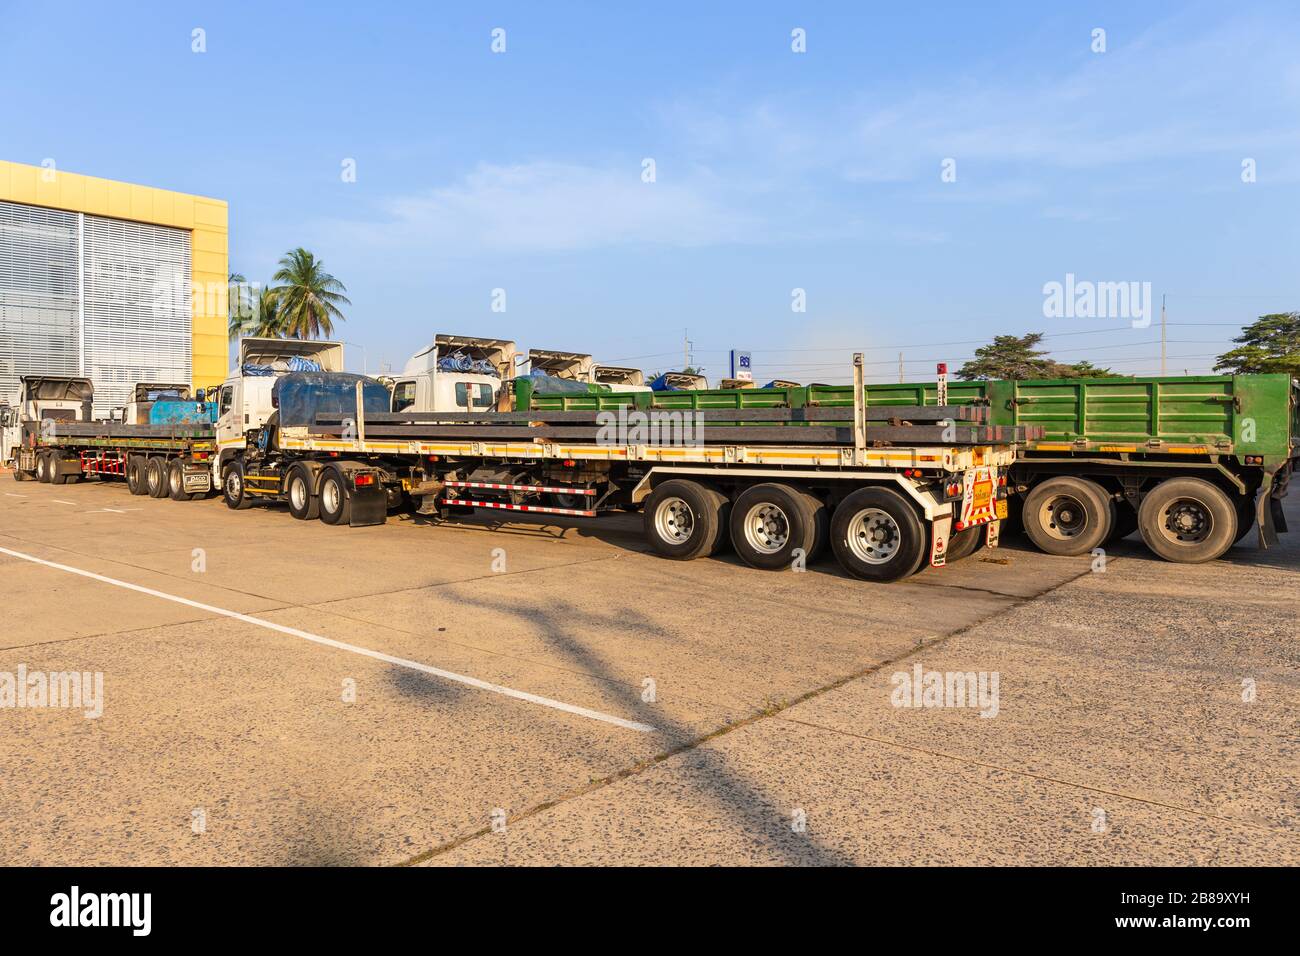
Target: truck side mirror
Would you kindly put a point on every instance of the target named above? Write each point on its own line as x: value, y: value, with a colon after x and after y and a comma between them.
x: 200, y: 395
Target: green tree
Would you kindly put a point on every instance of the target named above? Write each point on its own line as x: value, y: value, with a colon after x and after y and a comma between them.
x: 253, y: 310
x: 1015, y: 357
x: 1270, y: 344
x: 308, y: 297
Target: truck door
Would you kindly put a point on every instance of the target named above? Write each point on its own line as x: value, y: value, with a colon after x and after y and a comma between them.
x: 230, y: 413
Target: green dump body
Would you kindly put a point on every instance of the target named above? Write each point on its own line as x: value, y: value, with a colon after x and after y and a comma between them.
x: 1235, y: 415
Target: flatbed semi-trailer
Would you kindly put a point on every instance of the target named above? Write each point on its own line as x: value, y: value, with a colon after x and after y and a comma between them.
x: 777, y: 494
x: 1193, y: 462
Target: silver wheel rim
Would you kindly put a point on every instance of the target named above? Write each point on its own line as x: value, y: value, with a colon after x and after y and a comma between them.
x: 152, y: 478
x: 1186, y: 521
x: 329, y: 496
x: 298, y: 493
x: 874, y: 536
x: 674, y: 521
x: 767, y: 529
x: 1063, y: 517
x: 175, y: 480
x: 233, y: 484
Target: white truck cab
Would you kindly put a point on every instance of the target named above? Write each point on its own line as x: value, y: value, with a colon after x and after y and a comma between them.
x: 433, y: 382
x: 42, y: 398
x: 579, y: 367
x: 620, y: 379
x: 244, y: 402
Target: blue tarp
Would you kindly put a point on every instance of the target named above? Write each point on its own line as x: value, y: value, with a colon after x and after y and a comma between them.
x: 293, y: 363
x: 170, y: 412
x: 300, y: 396
x: 660, y: 384
x: 544, y: 384
x: 460, y: 362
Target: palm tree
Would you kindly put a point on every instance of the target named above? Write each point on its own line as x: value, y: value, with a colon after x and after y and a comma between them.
x: 308, y: 298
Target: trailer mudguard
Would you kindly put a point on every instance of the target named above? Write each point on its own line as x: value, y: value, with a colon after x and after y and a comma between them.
x: 369, y: 505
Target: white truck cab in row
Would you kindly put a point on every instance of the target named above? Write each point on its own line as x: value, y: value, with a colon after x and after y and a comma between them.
x: 244, y: 401
x: 43, y: 398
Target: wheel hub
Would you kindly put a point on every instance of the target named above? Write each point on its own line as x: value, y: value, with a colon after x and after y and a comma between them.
x: 767, y: 529
x: 874, y: 536
x: 674, y: 521
x: 1064, y: 517
x: 1187, y: 520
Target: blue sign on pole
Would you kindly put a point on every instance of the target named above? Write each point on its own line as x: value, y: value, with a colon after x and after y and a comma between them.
x: 741, y: 366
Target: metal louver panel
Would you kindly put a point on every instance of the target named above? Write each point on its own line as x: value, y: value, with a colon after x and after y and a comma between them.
x: 39, y: 276
x: 136, y: 307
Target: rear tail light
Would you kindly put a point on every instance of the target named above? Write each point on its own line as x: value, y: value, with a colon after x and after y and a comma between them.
x: 1254, y: 459
x: 433, y: 458
x: 953, y: 490
x: 363, y: 481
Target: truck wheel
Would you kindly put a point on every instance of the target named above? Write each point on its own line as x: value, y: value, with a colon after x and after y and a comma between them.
x: 233, y: 489
x: 770, y: 522
x: 877, y: 536
x: 1187, y: 520
x: 962, y: 544
x: 335, y: 504
x: 19, y: 474
x: 1067, y: 516
x: 303, y: 504
x: 55, y: 477
x: 685, y: 520
x: 43, y: 469
x: 135, y: 475
x: 155, y: 476
x: 176, y: 482
x: 1124, y: 521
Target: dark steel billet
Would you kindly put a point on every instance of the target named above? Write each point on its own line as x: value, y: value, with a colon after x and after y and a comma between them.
x: 882, y: 413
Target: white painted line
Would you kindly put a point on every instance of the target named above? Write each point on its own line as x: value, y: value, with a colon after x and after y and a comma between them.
x: 10, y: 494
x: 60, y: 501
x: 340, y: 645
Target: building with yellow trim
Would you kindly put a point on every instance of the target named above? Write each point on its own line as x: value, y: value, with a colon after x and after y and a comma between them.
x: 112, y: 281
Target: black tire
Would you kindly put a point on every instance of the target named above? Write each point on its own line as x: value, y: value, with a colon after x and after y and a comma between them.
x: 155, y: 477
x: 335, y: 502
x: 1187, y: 520
x: 135, y: 475
x: 176, y: 482
x: 877, y: 535
x: 1124, y: 521
x: 20, y: 475
x: 685, y: 520
x: 821, y: 522
x: 1067, y: 516
x: 962, y: 544
x: 55, y: 477
x: 234, y: 490
x: 298, y: 491
x: 770, y: 522
x: 1246, y: 522
x: 44, y: 467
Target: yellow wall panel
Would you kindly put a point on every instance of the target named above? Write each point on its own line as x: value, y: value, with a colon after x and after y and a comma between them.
x: 208, y: 220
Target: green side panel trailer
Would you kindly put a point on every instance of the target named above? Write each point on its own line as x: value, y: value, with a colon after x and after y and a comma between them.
x: 1195, y: 463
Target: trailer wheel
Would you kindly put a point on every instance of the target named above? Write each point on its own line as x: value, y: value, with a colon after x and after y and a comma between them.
x: 233, y: 489
x: 303, y: 504
x: 770, y: 522
x: 964, y: 543
x: 335, y: 504
x: 685, y: 520
x: 155, y: 476
x: 19, y: 474
x: 43, y: 467
x: 56, y: 478
x: 135, y: 475
x: 176, y: 482
x: 877, y: 535
x: 1187, y: 520
x: 1067, y: 516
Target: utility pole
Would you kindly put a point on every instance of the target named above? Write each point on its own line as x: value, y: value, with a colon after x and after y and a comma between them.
x: 1162, y: 334
x: 686, y: 349
x: 900, y: 368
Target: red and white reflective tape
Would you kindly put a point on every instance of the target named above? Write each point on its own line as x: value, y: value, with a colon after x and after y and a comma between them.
x: 504, y: 506
x: 540, y: 489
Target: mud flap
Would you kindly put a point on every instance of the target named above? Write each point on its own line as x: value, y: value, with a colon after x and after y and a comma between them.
x: 939, y: 530
x: 994, y: 530
x: 369, y: 506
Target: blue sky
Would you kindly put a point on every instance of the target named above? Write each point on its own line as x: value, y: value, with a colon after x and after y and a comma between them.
x: 775, y: 170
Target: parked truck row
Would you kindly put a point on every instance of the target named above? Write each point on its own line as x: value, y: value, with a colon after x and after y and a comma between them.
x: 886, y: 495
x: 885, y: 475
